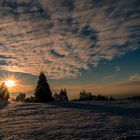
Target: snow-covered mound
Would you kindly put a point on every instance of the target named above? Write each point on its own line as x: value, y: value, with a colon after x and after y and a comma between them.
x: 70, y: 121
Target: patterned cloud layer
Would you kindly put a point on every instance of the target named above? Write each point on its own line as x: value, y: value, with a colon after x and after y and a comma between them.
x: 63, y: 37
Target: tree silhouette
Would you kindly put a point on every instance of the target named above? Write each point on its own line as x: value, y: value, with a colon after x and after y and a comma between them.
x: 86, y: 96
x: 4, y: 93
x: 20, y: 97
x: 62, y: 96
x: 43, y: 91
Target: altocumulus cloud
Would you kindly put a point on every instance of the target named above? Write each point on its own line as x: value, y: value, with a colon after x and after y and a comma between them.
x: 62, y: 37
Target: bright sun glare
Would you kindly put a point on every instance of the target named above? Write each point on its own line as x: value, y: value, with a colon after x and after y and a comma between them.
x: 10, y: 83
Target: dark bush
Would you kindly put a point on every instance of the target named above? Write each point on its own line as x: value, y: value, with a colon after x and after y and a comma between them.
x: 86, y: 96
x: 111, y: 99
x: 20, y: 97
x: 62, y: 96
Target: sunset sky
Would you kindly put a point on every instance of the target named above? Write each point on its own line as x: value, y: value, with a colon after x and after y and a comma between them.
x: 79, y: 44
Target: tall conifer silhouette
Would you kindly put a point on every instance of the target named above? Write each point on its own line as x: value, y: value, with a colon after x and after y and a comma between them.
x: 43, y: 91
x: 4, y: 93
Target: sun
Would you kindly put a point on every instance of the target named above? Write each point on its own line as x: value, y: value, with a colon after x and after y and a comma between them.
x: 10, y: 83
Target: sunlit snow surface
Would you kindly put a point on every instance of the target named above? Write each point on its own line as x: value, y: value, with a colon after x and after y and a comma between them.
x: 70, y: 121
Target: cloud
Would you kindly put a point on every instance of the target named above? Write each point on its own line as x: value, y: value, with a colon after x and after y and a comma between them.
x: 64, y: 37
x: 133, y: 80
x: 135, y: 77
x: 130, y: 87
x: 110, y: 76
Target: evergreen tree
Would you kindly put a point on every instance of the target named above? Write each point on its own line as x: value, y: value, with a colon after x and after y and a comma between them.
x: 63, y: 95
x: 4, y: 93
x: 43, y: 91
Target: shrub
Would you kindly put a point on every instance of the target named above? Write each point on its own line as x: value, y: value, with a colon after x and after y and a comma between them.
x: 62, y: 96
x: 20, y: 97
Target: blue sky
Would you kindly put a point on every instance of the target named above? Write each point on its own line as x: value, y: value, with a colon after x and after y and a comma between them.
x: 86, y: 44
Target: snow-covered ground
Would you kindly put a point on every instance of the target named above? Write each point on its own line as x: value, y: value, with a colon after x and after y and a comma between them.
x: 70, y: 121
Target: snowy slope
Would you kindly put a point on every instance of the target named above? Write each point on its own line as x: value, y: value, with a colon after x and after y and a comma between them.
x: 70, y: 121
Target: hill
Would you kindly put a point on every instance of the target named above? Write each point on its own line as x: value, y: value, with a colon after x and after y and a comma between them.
x: 70, y: 121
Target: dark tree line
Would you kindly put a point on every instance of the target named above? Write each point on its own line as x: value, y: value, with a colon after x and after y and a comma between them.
x: 43, y: 93
x: 87, y: 96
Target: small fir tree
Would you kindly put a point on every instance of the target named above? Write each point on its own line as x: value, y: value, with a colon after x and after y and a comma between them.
x: 63, y: 95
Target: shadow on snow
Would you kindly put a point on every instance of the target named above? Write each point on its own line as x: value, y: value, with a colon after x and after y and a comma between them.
x: 3, y: 105
x: 112, y: 110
